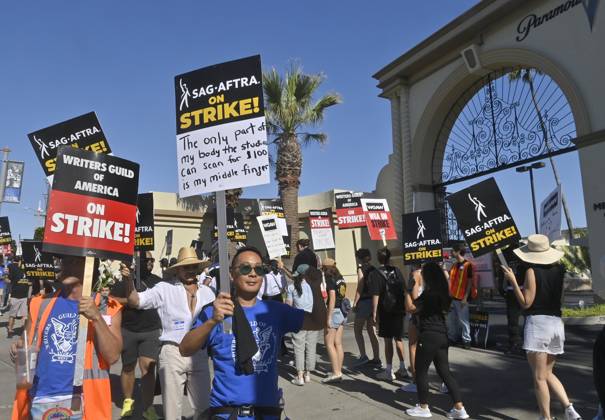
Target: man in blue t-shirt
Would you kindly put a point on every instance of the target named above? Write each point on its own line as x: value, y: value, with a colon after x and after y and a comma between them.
x: 235, y: 393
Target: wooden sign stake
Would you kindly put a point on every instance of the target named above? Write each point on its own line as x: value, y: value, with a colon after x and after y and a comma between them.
x: 223, y: 246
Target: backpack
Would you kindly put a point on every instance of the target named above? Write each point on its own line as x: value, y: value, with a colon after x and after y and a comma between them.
x: 392, y: 299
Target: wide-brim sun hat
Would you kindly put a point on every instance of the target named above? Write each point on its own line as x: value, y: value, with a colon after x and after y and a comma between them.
x: 187, y: 256
x: 538, y: 251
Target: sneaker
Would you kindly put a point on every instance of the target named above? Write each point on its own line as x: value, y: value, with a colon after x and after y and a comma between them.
x: 418, y: 411
x: 330, y: 379
x: 307, y: 377
x: 443, y: 388
x: 454, y: 413
x: 402, y: 373
x: 150, y: 414
x: 411, y: 387
x: 127, y: 407
x: 386, y: 375
x: 375, y: 363
x: 298, y: 381
x: 571, y: 413
x: 361, y: 361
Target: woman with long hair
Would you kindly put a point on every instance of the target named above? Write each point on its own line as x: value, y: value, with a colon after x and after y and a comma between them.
x: 544, y: 333
x: 431, y: 307
x: 415, y: 289
x: 336, y: 287
x: 300, y: 296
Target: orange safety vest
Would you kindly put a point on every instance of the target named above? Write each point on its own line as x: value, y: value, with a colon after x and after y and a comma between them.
x: 96, y: 387
x: 459, y: 281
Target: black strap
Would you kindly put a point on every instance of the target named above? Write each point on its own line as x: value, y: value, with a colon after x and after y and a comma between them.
x: 246, y: 411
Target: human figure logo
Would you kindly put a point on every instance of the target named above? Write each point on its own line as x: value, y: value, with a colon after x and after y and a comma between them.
x: 42, y: 146
x: 421, y: 228
x: 185, y: 95
x: 138, y: 215
x: 479, y: 207
x: 37, y: 255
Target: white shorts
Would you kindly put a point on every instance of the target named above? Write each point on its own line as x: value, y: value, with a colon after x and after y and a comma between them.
x: 544, y: 334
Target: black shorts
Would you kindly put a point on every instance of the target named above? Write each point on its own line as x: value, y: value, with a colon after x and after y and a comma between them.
x: 139, y: 344
x: 391, y: 325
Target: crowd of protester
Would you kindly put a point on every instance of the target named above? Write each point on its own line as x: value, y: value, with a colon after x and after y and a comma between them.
x: 175, y: 325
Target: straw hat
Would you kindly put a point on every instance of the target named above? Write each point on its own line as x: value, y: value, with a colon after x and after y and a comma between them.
x: 187, y: 256
x: 538, y: 251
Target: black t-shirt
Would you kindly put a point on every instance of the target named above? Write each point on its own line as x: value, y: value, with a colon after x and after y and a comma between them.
x: 139, y: 320
x: 340, y: 289
x: 366, y: 270
x: 549, y: 287
x: 306, y: 256
x: 19, y: 284
x: 430, y: 313
x: 378, y: 282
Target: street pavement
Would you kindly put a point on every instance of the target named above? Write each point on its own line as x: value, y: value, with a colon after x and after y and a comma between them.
x: 493, y: 385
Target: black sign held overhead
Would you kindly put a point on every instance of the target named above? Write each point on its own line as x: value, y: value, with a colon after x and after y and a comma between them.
x: 236, y: 232
x: 92, y: 206
x: 38, y: 265
x: 83, y: 132
x: 5, y: 231
x: 483, y: 217
x: 422, y: 240
x: 144, y: 232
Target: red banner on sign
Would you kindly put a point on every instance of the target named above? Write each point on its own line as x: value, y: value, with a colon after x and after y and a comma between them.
x: 378, y: 220
x: 350, y: 218
x: 86, y: 222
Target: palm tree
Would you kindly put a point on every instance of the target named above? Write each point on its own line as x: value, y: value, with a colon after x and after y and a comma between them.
x: 290, y: 110
x: 525, y: 74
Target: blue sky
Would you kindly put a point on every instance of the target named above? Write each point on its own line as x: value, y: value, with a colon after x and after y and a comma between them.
x: 62, y: 59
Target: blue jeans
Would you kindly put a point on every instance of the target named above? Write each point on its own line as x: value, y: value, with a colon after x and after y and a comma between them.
x: 458, y: 319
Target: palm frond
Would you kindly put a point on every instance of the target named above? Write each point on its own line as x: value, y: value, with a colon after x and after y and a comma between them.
x: 315, y: 114
x: 308, y: 138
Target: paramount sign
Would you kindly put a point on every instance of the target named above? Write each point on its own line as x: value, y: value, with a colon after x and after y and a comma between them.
x: 532, y: 21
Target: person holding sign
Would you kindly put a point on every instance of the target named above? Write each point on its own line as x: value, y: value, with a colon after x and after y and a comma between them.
x: 461, y: 280
x: 245, y: 361
x: 544, y: 330
x: 178, y: 304
x: 52, y: 327
x: 21, y: 289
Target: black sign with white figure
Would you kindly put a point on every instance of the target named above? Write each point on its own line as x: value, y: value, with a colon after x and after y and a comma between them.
x: 422, y: 237
x: 483, y: 217
x: 144, y: 231
x: 38, y: 265
x: 5, y: 231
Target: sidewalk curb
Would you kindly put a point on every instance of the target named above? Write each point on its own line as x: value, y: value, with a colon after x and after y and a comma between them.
x: 585, y: 320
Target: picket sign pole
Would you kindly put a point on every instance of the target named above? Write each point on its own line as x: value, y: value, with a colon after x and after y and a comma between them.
x: 383, y: 235
x: 500, y: 255
x: 223, y: 245
x: 137, y: 269
x: 354, y: 241
x: 82, y: 334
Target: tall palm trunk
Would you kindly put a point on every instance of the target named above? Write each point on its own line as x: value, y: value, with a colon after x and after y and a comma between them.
x: 550, y: 159
x: 287, y: 171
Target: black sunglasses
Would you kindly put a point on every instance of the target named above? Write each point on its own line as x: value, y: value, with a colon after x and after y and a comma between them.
x: 245, y: 269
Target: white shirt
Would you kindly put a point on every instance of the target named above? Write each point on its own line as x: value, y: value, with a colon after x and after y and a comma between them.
x: 273, y: 284
x: 172, y: 303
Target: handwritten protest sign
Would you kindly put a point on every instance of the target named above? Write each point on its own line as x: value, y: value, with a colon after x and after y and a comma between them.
x: 268, y: 207
x: 144, y: 231
x: 83, y: 132
x: 5, y: 231
x: 349, y: 213
x: 272, y: 236
x: 550, y: 215
x: 221, y: 132
x: 378, y: 219
x: 483, y: 217
x: 92, y: 207
x: 422, y: 240
x: 38, y: 265
x: 320, y: 222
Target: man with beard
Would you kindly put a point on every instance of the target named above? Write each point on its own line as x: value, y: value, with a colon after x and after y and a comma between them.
x: 178, y: 304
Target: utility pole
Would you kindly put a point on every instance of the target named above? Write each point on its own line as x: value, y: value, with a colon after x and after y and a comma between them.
x: 5, y: 153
